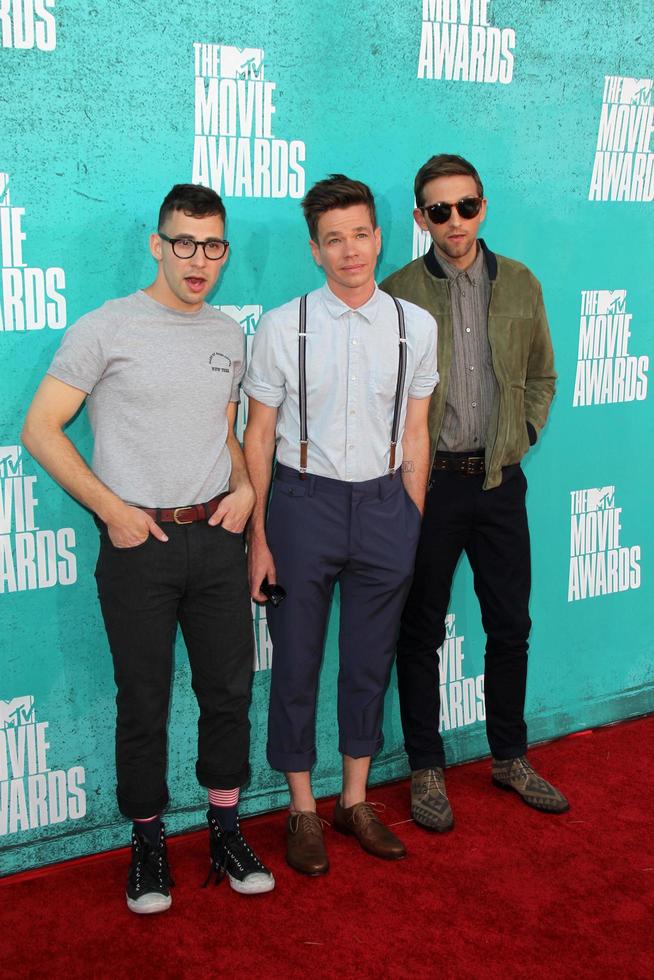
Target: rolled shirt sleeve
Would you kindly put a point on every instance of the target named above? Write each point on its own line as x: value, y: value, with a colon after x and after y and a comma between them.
x: 264, y: 378
x: 425, y: 376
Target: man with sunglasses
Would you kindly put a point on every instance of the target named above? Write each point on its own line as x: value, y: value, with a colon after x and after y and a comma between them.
x: 496, y: 384
x: 169, y: 490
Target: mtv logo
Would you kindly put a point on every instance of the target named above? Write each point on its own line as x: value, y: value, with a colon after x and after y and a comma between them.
x: 11, y: 461
x: 18, y: 711
x: 247, y: 316
x: 237, y: 63
x: 4, y: 191
x: 600, y: 498
x: 421, y: 241
x: 611, y: 301
x: 636, y: 91
x: 450, y: 629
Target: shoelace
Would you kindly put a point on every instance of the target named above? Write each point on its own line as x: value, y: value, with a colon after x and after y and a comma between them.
x: 524, y: 767
x: 227, y: 840
x: 154, y: 862
x: 433, y: 780
x: 309, y: 823
x: 366, y: 813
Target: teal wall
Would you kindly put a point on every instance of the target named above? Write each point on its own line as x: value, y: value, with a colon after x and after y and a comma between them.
x: 98, y: 120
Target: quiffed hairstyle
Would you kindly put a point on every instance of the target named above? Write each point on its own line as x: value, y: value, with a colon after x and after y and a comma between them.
x: 444, y: 165
x: 336, y: 191
x: 194, y: 200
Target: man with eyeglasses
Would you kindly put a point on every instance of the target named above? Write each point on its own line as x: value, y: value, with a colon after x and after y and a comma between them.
x: 160, y: 370
x: 496, y: 384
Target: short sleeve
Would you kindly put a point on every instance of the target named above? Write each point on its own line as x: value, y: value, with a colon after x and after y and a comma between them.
x: 81, y: 358
x: 264, y: 380
x: 425, y: 377
x: 238, y: 374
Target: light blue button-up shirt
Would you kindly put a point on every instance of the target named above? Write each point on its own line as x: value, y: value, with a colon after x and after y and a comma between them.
x: 352, y: 361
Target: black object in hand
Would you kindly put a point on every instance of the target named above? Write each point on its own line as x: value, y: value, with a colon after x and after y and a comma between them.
x: 274, y: 593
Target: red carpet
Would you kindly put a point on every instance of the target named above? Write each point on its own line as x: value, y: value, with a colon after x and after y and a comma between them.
x: 510, y: 893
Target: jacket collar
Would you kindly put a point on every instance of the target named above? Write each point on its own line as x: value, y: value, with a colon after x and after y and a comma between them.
x: 434, y: 267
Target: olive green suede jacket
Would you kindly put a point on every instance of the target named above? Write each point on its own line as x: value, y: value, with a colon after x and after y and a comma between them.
x: 520, y: 344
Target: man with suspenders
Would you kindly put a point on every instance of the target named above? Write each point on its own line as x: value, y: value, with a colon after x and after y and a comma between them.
x: 339, y: 385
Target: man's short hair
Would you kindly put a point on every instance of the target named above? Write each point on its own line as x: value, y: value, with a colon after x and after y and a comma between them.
x: 194, y: 200
x: 336, y: 191
x: 444, y: 165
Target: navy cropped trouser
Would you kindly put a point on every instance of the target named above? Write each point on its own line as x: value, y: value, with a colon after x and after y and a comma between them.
x: 363, y: 536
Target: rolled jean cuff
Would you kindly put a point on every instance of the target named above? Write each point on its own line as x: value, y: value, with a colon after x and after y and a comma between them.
x: 142, y: 809
x: 291, y: 761
x: 213, y: 780
x: 359, y: 748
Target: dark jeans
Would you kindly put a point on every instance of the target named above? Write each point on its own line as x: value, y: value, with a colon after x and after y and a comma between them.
x: 199, y: 580
x: 364, y: 536
x: 491, y: 527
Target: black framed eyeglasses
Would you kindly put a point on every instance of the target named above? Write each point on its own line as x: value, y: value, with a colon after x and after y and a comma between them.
x: 467, y: 207
x: 185, y: 248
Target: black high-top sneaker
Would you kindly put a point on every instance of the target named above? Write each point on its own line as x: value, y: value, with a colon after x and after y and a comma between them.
x: 149, y: 881
x: 231, y: 855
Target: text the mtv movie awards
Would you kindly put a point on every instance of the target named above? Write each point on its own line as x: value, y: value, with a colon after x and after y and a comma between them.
x: 599, y: 563
x: 623, y: 169
x: 607, y: 373
x: 31, y: 298
x: 459, y: 44
x: 235, y: 150
x: 31, y: 793
x: 30, y: 557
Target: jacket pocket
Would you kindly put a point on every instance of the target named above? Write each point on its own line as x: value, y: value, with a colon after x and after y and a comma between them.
x: 517, y: 442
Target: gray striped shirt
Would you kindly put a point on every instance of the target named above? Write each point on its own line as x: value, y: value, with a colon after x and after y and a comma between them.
x: 472, y: 383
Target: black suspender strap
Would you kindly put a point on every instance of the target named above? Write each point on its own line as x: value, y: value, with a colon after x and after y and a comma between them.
x: 302, y: 374
x: 399, y: 389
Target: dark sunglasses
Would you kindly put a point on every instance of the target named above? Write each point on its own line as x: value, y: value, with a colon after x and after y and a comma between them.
x: 467, y: 207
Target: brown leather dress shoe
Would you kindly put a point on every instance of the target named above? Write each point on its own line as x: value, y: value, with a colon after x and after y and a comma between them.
x: 305, y: 847
x: 362, y: 822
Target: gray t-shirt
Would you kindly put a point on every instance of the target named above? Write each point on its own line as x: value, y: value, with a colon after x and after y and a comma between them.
x: 158, y: 383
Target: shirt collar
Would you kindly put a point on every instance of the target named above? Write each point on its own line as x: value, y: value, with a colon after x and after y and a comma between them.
x: 473, y: 273
x: 337, y: 308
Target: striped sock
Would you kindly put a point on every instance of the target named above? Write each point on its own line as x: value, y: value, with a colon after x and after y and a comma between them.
x: 223, y: 806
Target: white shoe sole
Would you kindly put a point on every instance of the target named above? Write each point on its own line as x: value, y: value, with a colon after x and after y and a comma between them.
x: 149, y: 904
x: 254, y: 884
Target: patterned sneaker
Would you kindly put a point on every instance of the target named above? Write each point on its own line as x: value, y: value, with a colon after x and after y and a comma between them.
x: 231, y: 855
x: 518, y: 775
x: 149, y: 881
x: 430, y: 807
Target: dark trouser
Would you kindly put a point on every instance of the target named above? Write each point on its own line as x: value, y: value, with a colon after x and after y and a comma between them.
x: 491, y: 527
x: 364, y: 536
x: 198, y: 579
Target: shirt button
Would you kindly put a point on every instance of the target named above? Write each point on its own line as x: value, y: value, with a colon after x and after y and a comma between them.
x: 350, y: 447
x: 472, y: 367
x: 352, y: 412
x: 474, y: 404
x: 467, y: 329
x: 354, y: 343
x: 354, y: 377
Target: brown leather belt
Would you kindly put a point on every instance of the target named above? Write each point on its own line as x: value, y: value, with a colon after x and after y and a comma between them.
x: 184, y: 515
x: 472, y: 465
